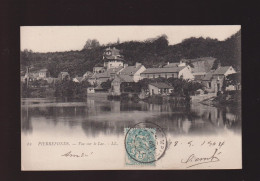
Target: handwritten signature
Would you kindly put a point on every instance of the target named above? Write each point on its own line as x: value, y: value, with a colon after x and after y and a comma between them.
x: 70, y: 154
x: 194, y: 160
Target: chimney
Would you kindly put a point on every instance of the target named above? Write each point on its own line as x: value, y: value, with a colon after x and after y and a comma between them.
x: 168, y: 63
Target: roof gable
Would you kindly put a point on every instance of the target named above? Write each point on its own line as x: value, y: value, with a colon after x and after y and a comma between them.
x: 209, y: 75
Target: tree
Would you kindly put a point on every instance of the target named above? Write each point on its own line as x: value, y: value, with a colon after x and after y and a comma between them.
x: 90, y: 44
x: 106, y: 85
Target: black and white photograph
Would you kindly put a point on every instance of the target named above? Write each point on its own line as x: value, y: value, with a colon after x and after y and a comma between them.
x: 130, y: 97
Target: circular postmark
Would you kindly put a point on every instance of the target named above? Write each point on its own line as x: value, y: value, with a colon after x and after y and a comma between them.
x: 145, y: 142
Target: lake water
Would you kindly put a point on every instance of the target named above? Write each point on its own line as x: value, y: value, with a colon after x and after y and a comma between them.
x: 98, y: 116
x: 97, y: 120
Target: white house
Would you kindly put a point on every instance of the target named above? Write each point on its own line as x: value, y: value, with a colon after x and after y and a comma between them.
x: 44, y: 73
x: 175, y: 72
x: 160, y: 88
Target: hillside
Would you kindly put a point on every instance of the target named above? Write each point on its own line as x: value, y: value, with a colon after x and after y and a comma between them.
x: 153, y: 52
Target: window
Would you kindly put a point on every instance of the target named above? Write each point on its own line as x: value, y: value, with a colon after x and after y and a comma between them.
x: 166, y: 76
x: 173, y: 75
x: 153, y: 76
x: 209, y: 85
x: 159, y: 75
x: 148, y: 76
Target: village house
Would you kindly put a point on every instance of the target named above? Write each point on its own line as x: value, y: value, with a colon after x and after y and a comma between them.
x: 116, y: 83
x: 213, y: 80
x: 175, y: 72
x: 112, y: 58
x: 133, y: 71
x: 77, y: 79
x: 43, y: 73
x: 160, y: 88
x: 109, y: 74
x: 233, y: 82
x: 199, y: 66
x: 33, y: 75
x: 63, y: 75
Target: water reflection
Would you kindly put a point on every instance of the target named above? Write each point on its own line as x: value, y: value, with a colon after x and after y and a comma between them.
x: 99, y: 116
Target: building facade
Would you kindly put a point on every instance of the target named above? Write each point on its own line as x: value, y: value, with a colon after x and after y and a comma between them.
x: 116, y: 83
x: 112, y: 58
x: 160, y: 88
x: 175, y: 72
x: 213, y: 80
x: 44, y: 73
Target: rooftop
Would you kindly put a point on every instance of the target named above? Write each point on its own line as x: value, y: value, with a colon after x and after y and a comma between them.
x: 171, y: 65
x: 221, y: 70
x: 203, y: 64
x: 130, y: 70
x: 162, y: 70
x: 209, y: 75
x: 211, y: 59
x: 125, y: 78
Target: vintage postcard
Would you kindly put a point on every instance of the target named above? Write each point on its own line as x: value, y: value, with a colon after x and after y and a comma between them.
x: 130, y: 97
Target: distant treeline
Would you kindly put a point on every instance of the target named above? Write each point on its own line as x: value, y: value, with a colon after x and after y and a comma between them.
x: 153, y: 52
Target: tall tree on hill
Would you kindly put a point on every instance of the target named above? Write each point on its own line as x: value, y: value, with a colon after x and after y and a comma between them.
x: 91, y: 44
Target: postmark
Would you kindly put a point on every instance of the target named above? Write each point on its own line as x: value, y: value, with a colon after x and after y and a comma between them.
x: 145, y: 143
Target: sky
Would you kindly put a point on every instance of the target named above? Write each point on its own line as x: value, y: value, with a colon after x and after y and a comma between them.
x: 66, y: 38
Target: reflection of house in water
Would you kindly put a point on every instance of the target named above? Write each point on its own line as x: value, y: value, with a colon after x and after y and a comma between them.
x: 220, y: 117
x: 186, y: 124
x: 95, y: 128
x: 26, y: 123
x: 209, y: 113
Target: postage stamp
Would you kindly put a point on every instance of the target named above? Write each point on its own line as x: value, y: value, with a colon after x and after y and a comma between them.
x: 144, y: 143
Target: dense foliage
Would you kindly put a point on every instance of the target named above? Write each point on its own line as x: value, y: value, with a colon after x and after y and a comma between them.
x: 65, y: 88
x: 153, y: 52
x: 106, y: 85
x: 69, y: 88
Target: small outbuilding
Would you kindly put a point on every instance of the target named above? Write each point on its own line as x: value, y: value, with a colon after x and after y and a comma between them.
x: 161, y: 88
